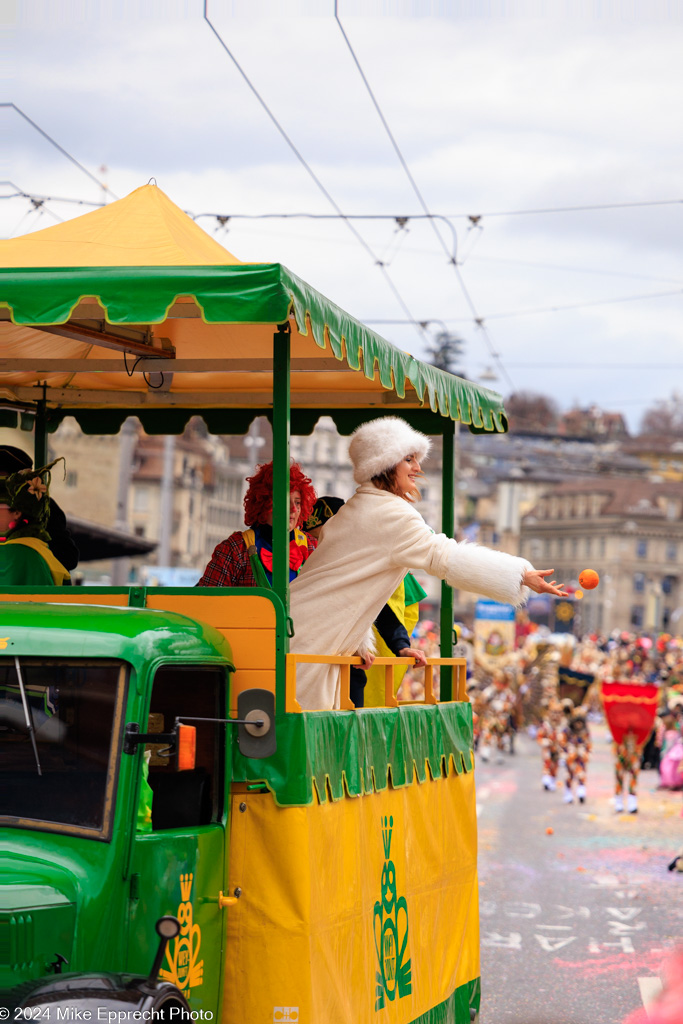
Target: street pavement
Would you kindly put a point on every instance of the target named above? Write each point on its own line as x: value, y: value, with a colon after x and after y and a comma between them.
x: 578, y: 909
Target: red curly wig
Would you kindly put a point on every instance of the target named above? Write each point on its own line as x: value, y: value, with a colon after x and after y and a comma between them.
x: 258, y: 501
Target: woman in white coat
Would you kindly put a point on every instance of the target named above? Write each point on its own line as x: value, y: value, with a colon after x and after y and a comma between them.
x: 366, y: 549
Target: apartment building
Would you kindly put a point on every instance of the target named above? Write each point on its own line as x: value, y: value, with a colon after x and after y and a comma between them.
x: 630, y: 531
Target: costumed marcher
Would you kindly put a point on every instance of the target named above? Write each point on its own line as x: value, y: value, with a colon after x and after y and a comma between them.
x: 61, y: 543
x: 25, y: 556
x: 626, y: 770
x: 390, y: 628
x: 368, y: 547
x: 671, y: 760
x: 548, y: 737
x: 497, y: 727
x: 630, y: 710
x: 575, y: 743
x: 245, y: 559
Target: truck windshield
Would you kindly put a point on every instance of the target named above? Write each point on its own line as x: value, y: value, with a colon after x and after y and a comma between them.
x: 60, y: 723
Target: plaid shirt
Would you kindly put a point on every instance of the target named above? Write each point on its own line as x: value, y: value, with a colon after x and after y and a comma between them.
x: 229, y: 565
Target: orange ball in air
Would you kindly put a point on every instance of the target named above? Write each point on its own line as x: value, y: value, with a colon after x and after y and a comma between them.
x: 589, y: 579
x: 549, y: 831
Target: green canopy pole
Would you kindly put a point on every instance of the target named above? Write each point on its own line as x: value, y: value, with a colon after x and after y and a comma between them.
x: 447, y: 527
x: 40, y: 434
x: 281, y: 427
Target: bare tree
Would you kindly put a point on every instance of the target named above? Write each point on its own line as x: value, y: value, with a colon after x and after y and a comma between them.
x: 528, y: 410
x: 664, y: 418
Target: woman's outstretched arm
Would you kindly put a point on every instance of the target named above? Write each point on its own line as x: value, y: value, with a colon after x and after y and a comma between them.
x: 480, y: 570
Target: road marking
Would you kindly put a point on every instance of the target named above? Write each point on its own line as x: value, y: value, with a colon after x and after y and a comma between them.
x: 650, y: 989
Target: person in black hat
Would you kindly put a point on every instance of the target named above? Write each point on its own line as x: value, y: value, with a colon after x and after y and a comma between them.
x: 61, y: 544
x: 25, y: 558
x: 323, y: 510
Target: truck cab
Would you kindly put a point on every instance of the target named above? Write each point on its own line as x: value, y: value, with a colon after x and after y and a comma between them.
x: 101, y: 837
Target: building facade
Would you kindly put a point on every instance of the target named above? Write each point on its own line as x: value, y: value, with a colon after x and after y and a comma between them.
x: 630, y: 532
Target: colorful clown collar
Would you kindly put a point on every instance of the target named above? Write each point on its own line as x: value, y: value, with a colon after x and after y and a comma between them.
x: 300, y: 547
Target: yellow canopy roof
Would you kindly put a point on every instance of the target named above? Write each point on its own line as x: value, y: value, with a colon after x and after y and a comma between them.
x: 91, y: 307
x: 143, y: 230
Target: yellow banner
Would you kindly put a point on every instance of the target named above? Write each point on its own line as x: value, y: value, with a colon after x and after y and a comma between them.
x: 363, y: 911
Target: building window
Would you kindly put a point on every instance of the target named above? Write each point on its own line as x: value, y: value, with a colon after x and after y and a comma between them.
x: 575, y: 546
x: 641, y: 549
x: 602, y: 546
x: 546, y: 548
x: 588, y: 545
x: 671, y: 549
x: 667, y: 584
x: 71, y: 478
x: 637, y: 611
x: 141, y: 499
x: 639, y: 582
x: 560, y: 546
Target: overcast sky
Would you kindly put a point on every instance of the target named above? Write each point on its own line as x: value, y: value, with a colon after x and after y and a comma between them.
x: 500, y: 110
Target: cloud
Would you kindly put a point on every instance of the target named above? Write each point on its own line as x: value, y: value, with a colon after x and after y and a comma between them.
x: 498, y: 113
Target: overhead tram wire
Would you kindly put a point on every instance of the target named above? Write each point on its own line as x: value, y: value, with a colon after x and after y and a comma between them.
x: 382, y: 118
x: 308, y: 168
x: 37, y: 205
x: 399, y: 219
x: 36, y: 196
x: 452, y: 259
x: 402, y: 219
x: 569, y: 209
x: 61, y: 149
x: 586, y: 305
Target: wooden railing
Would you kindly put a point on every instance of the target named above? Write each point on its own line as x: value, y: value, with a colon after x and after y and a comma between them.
x: 390, y: 701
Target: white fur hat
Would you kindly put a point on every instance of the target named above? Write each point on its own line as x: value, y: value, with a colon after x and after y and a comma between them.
x: 381, y: 444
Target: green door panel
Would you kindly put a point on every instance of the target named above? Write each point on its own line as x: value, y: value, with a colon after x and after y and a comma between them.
x: 180, y: 872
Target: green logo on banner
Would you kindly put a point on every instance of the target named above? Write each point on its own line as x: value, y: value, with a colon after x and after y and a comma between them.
x: 390, y: 925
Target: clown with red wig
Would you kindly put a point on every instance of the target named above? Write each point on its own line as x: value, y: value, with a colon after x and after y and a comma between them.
x: 246, y: 559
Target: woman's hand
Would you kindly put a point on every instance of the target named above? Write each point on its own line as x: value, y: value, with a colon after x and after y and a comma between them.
x: 414, y: 652
x: 367, y: 660
x: 535, y: 580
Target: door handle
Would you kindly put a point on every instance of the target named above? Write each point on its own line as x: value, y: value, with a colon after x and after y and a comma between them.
x: 228, y: 901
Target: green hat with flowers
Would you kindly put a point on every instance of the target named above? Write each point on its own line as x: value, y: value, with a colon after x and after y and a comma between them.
x: 27, y: 493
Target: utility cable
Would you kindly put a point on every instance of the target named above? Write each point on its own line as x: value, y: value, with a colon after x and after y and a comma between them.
x: 20, y: 194
x: 305, y: 165
x: 584, y: 305
x: 475, y: 218
x: 556, y: 309
x: 35, y: 206
x: 479, y: 321
x: 401, y: 220
x: 598, y: 366
x: 388, y: 130
x: 61, y: 149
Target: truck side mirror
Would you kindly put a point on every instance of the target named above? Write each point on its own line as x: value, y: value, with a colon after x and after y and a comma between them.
x: 168, y: 928
x: 256, y: 723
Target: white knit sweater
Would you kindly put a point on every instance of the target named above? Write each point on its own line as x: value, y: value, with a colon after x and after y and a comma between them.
x: 364, y: 552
